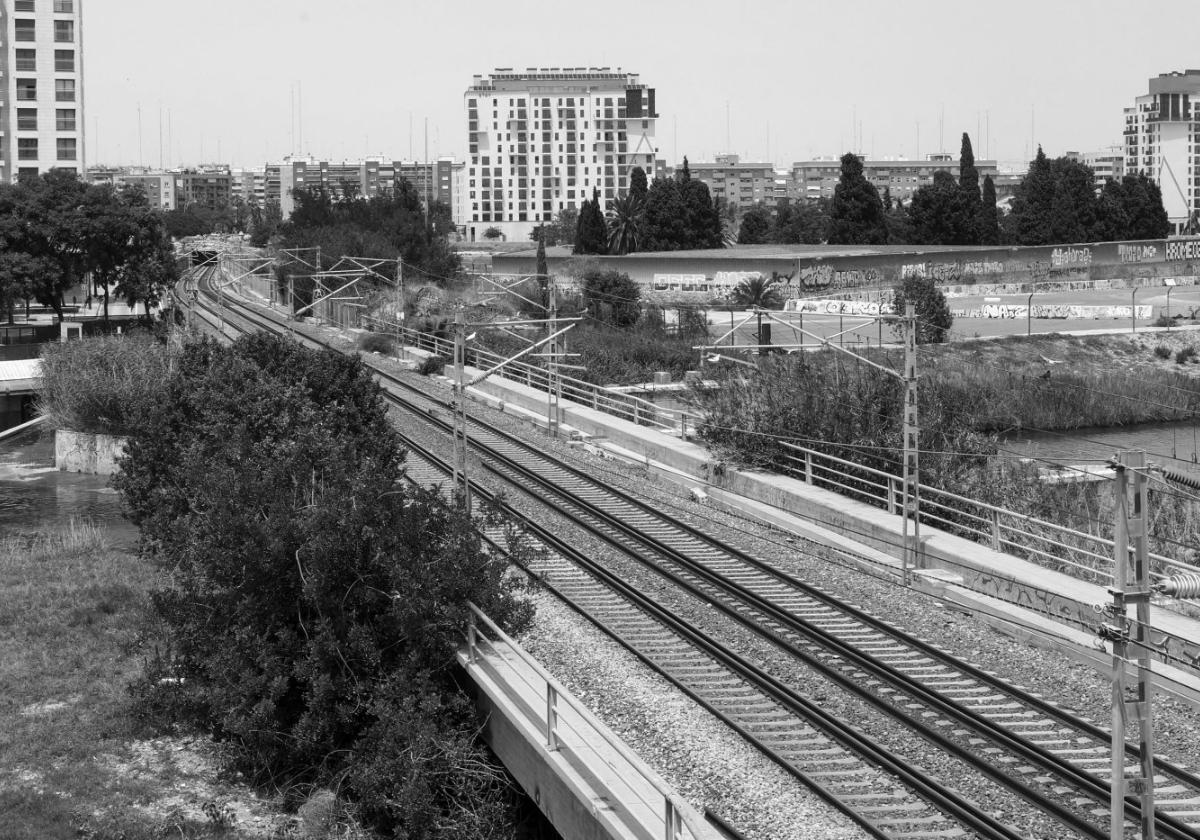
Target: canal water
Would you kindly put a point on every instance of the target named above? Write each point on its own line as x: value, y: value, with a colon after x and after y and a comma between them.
x: 1173, y: 445
x: 34, y: 496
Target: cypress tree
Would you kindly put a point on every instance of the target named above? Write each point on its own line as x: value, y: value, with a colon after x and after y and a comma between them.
x: 989, y: 220
x: 1033, y: 204
x: 968, y: 183
x: 592, y: 233
x: 856, y: 213
x: 637, y: 183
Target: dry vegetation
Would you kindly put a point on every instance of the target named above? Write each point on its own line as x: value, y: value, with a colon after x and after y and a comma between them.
x: 73, y: 762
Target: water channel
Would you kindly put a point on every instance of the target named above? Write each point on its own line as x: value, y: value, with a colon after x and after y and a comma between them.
x: 34, y: 496
x: 1173, y: 445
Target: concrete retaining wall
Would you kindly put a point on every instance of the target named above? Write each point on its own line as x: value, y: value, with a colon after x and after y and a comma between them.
x: 83, y: 452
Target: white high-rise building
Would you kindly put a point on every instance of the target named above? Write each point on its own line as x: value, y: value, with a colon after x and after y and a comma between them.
x: 41, y: 87
x: 1162, y: 140
x: 542, y: 140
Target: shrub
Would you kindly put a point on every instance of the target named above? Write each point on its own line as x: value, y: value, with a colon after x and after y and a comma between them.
x: 314, y: 602
x: 1185, y: 355
x: 374, y: 342
x: 1162, y: 351
x: 103, y: 385
x: 1163, y: 321
x: 433, y: 366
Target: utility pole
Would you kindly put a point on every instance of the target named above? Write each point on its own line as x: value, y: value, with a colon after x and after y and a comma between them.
x: 552, y: 369
x: 1130, y: 529
x: 462, y: 487
x: 911, y: 551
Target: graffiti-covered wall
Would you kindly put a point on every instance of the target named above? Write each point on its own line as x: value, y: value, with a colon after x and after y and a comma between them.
x: 700, y: 277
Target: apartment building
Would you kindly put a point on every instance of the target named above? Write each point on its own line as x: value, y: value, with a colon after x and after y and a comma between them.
x: 740, y: 185
x: 41, y: 87
x: 544, y: 139
x: 1162, y: 140
x: 208, y: 186
x: 818, y: 178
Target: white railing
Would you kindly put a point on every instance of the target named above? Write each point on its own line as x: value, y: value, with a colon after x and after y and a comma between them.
x: 1047, y: 543
x: 488, y: 646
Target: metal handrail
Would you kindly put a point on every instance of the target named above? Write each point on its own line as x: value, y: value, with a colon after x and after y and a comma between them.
x: 1002, y: 528
x: 599, y: 397
x: 677, y: 814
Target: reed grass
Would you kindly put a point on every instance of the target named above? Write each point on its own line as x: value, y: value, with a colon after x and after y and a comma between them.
x: 102, y: 385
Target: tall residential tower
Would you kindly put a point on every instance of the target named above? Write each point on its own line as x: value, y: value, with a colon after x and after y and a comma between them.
x: 1162, y: 140
x: 41, y: 87
x: 542, y: 140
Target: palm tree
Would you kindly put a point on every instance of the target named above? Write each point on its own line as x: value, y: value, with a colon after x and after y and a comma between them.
x: 626, y: 215
x: 757, y: 292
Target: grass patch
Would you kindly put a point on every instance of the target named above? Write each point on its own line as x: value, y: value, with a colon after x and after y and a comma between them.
x: 74, y: 763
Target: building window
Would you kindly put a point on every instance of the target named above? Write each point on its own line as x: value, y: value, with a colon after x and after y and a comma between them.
x: 64, y: 31
x: 64, y: 90
x: 26, y: 90
x: 64, y: 61
x: 27, y: 61
x: 66, y: 148
x: 64, y: 7
x: 27, y: 119
x: 27, y: 148
x: 65, y: 119
x: 26, y: 30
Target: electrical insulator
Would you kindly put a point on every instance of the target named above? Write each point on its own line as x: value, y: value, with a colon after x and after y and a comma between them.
x: 1186, y: 585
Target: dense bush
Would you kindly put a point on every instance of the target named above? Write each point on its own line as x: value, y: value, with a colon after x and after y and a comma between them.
x: 103, y: 385
x: 1162, y: 351
x: 314, y: 602
x: 374, y: 342
x: 1185, y: 355
x: 433, y: 366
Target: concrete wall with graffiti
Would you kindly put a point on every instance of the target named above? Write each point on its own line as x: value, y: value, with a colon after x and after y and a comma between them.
x: 707, y: 277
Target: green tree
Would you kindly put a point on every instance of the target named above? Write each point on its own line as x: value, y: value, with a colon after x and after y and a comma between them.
x: 800, y: 222
x: 756, y: 225
x: 626, y: 218
x: 388, y: 225
x: 989, y: 222
x: 968, y: 182
x: 1073, y: 209
x: 666, y: 223
x: 314, y: 601
x: 929, y: 304
x: 637, y: 183
x: 612, y: 297
x: 856, y: 213
x: 940, y: 213
x: 591, y: 236
x: 1147, y: 218
x: 702, y: 216
x: 20, y: 274
x: 1032, y: 216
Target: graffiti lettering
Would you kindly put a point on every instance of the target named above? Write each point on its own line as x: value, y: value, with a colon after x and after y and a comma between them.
x: 1137, y: 253
x: 950, y: 271
x: 1058, y: 310
x: 825, y: 277
x: 1183, y: 249
x: 838, y: 307
x: 1062, y: 257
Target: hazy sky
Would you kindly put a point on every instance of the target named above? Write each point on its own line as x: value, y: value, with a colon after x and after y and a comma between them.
x: 794, y: 77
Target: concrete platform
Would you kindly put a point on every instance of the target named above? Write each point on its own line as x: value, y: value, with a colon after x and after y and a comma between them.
x: 586, y: 781
x: 1020, y: 598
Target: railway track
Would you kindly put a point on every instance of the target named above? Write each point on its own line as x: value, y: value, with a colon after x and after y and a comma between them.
x: 1053, y: 761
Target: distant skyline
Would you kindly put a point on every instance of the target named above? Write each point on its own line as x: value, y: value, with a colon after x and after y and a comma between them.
x: 777, y: 81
